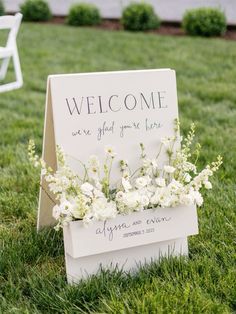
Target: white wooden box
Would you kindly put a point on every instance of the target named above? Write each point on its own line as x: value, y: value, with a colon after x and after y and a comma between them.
x: 127, y: 241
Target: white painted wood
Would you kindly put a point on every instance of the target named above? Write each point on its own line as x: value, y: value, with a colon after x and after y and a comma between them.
x: 10, y: 51
x: 127, y: 259
x: 168, y: 10
x: 127, y: 231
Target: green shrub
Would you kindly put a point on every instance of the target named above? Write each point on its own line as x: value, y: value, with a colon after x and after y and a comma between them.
x: 139, y: 17
x: 83, y: 14
x: 2, y: 9
x: 35, y: 10
x: 204, y: 22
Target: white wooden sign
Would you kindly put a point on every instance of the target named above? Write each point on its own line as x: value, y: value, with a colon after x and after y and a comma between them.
x: 140, y: 228
x: 86, y: 112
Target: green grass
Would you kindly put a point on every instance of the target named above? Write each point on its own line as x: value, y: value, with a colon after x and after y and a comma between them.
x: 32, y: 270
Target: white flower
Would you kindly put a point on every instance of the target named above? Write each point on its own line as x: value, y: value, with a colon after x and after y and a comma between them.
x: 126, y: 174
x: 141, y: 182
x: 87, y: 189
x: 98, y: 199
x: 129, y: 201
x: 66, y: 207
x: 169, y: 169
x: 98, y: 193
x: 119, y: 195
x: 154, y: 164
x: 93, y: 167
x: 187, y: 177
x: 66, y: 220
x: 60, y: 183
x: 94, y: 162
x: 144, y: 200
x: 79, y: 206
x: 49, y: 178
x: 188, y: 166
x: 160, y: 182
x: 56, y: 212
x: 88, y: 218
x: 126, y: 184
x: 110, y: 151
x: 102, y: 209
x: 161, y: 197
x: 198, y: 198
x: 166, y: 141
x: 98, y: 185
x: 186, y: 199
x: 207, y: 185
x: 175, y: 185
x: 123, y: 165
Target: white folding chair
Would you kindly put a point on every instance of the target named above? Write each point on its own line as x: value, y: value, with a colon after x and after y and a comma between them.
x: 11, y: 22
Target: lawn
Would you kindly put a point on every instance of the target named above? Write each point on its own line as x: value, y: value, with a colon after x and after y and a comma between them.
x: 32, y: 270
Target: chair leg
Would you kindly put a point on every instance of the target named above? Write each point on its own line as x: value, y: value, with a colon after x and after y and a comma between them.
x: 18, y: 73
x: 19, y: 80
x: 3, y: 68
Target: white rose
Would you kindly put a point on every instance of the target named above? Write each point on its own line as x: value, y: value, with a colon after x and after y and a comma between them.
x: 131, y: 199
x: 141, y: 182
x: 87, y: 189
x: 103, y: 210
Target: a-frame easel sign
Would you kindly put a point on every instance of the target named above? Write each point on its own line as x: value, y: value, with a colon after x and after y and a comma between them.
x: 86, y: 112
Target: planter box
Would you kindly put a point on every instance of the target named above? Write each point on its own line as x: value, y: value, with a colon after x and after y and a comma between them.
x: 127, y: 241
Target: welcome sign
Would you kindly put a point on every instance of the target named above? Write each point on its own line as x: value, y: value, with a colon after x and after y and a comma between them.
x: 86, y: 112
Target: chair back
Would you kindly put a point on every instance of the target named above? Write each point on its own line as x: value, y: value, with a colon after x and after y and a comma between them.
x: 11, y: 22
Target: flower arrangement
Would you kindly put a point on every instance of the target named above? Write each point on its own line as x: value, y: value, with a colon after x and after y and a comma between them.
x: 90, y: 197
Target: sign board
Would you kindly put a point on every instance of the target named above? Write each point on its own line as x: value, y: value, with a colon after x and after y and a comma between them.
x: 86, y: 112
